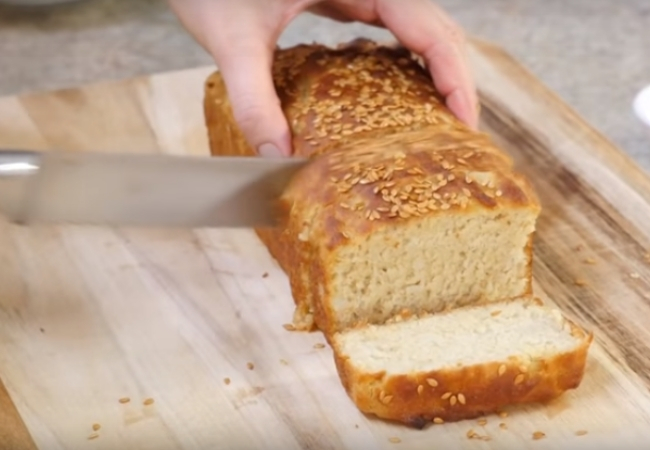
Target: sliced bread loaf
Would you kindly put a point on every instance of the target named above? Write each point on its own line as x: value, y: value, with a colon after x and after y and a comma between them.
x: 403, y: 207
x: 462, y: 363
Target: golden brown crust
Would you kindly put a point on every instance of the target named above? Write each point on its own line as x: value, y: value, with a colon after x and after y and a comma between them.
x: 451, y: 395
x: 386, y: 151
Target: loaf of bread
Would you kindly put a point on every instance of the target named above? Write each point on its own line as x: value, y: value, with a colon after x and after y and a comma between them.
x: 403, y: 236
x: 403, y: 210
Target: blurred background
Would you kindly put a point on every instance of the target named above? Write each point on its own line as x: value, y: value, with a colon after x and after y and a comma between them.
x: 594, y: 53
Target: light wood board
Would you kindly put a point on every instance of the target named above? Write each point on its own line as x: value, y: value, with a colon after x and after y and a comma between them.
x: 89, y: 315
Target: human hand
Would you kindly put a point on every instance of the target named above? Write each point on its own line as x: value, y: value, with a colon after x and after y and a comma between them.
x: 241, y: 36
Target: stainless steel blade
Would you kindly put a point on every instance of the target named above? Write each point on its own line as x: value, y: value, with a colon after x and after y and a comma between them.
x: 142, y: 190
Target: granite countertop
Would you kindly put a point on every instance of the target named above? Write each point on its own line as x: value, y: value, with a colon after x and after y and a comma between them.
x: 594, y: 53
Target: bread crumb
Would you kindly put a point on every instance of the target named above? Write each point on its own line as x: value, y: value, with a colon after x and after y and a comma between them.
x: 503, y: 414
x: 356, y: 425
x: 93, y: 436
x: 96, y: 426
x: 289, y: 327
x: 319, y: 345
x: 226, y: 381
x: 250, y: 365
x: 503, y: 426
x: 284, y: 362
x: 581, y: 432
x: 580, y: 282
x: 124, y: 400
x: 438, y: 420
x: 148, y: 401
x: 537, y: 435
x: 394, y: 440
x: 265, y: 275
x: 471, y: 434
x: 482, y: 422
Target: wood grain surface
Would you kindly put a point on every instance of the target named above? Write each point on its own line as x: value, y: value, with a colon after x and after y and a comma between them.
x: 191, y: 320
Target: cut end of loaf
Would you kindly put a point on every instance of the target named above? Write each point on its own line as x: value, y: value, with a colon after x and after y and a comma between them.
x: 431, y: 265
x: 463, y: 363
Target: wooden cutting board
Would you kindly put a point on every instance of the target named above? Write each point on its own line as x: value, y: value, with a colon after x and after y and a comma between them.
x: 192, y: 319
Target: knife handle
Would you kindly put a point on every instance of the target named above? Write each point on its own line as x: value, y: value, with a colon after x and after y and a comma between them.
x: 15, y: 163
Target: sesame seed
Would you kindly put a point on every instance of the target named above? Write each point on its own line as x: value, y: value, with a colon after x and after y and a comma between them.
x: 537, y: 435
x: 495, y: 313
x: 590, y: 261
x: 461, y: 399
x: 438, y: 420
x: 446, y: 395
x: 453, y: 400
x: 289, y: 327
x: 432, y: 382
x: 250, y: 365
x: 387, y: 399
x: 482, y: 422
x: 420, y: 389
x: 284, y: 362
x: 394, y: 440
x: 519, y: 378
x: 581, y: 432
x: 124, y: 400
x: 502, y: 369
x: 470, y: 434
x: 319, y: 345
x: 148, y: 401
x: 503, y: 414
x: 96, y: 426
x: 93, y: 436
x: 579, y: 282
x: 226, y: 381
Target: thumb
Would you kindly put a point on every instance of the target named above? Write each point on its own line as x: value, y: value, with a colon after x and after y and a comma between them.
x: 245, y: 65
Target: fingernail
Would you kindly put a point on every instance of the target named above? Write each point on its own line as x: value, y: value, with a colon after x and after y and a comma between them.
x: 269, y: 151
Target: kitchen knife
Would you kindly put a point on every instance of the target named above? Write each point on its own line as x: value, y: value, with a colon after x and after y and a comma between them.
x: 142, y: 190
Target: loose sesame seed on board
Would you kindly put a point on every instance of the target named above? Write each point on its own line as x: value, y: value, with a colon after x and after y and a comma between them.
x: 96, y: 427
x: 124, y: 400
x: 581, y: 432
x: 394, y: 440
x: 148, y: 401
x: 538, y: 435
x: 250, y: 366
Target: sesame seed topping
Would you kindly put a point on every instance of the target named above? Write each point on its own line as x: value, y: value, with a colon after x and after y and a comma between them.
x: 461, y: 399
x: 432, y: 382
x: 420, y: 389
x: 519, y: 378
x: 502, y: 369
x: 438, y: 420
x: 446, y: 395
x: 453, y: 400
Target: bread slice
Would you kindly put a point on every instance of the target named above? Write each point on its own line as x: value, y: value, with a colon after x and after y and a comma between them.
x: 404, y: 209
x: 463, y: 363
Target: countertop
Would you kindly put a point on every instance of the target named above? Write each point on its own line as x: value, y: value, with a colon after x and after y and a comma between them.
x: 594, y: 53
